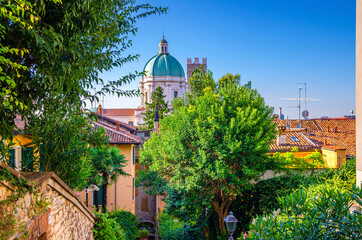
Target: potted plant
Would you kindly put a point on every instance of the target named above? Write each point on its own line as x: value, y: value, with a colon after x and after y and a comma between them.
x: 143, y: 234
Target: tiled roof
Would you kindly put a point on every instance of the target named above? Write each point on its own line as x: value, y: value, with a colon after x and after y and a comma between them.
x: 302, y: 142
x: 119, y: 112
x: 338, y: 132
x: 115, y: 122
x: 118, y: 136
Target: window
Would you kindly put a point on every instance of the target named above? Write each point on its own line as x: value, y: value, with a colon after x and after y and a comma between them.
x: 146, y: 96
x: 99, y: 196
x: 294, y: 139
x: 133, y: 155
x: 28, y: 159
x: 130, y: 123
x: 175, y: 94
x: 12, y: 158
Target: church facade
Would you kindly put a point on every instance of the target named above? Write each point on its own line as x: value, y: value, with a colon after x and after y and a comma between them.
x: 162, y: 70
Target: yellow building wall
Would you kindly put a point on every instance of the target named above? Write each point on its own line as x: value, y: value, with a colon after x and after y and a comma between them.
x: 334, y: 158
x: 19, y: 142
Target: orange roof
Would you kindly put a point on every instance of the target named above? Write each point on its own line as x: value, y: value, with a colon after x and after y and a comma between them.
x: 302, y: 142
x: 119, y: 111
x: 338, y: 132
x: 118, y: 136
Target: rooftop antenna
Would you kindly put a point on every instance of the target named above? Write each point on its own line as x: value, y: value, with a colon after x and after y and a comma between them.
x: 305, y: 113
x: 163, y: 34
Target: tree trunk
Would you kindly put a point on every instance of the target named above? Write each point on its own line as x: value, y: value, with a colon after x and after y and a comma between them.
x: 221, y: 208
x: 96, y: 200
x: 104, y: 191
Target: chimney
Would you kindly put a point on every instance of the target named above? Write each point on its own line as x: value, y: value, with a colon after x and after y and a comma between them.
x: 280, y: 112
x: 327, y: 128
x: 100, y: 109
x: 325, y: 141
x: 118, y: 126
x: 335, y: 129
x: 282, y: 137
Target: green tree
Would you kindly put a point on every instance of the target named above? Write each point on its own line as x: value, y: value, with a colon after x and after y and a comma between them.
x: 108, y: 164
x: 229, y: 79
x: 211, y: 149
x: 157, y: 100
x: 62, y: 142
x: 57, y: 49
x: 201, y: 80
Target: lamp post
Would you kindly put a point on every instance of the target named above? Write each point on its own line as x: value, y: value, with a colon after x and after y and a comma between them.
x: 91, y: 188
x: 231, y: 221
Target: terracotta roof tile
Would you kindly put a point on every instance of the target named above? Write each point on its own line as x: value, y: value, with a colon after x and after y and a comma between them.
x: 115, y: 122
x: 117, y: 136
x: 338, y: 132
x: 119, y: 111
x: 302, y: 142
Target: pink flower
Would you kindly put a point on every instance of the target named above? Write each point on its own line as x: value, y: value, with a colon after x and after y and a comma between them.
x: 78, y: 194
x: 245, y: 235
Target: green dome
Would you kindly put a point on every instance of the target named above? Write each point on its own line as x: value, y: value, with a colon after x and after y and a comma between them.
x: 163, y: 64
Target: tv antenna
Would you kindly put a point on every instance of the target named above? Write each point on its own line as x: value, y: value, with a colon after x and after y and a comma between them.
x: 305, y: 113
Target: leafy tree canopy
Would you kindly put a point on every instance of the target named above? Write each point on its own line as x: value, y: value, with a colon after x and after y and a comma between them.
x: 157, y: 100
x: 62, y: 141
x: 211, y: 148
x: 56, y: 49
x: 201, y: 80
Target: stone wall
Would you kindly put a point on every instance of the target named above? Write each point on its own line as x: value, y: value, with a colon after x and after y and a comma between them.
x: 51, y: 211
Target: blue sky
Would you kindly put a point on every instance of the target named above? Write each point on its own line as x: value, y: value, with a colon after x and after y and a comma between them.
x: 274, y: 44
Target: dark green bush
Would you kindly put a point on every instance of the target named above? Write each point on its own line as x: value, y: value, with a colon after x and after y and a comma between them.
x: 128, y: 221
x: 170, y: 228
x: 106, y: 228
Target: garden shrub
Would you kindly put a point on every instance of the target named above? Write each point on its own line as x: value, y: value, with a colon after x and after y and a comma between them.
x: 171, y: 228
x: 128, y: 221
x: 107, y: 228
x: 261, y: 199
x: 304, y: 215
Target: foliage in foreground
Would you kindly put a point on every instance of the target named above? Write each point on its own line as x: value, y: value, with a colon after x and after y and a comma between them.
x: 171, y: 228
x: 57, y: 50
x: 107, y: 228
x: 321, y: 198
x: 304, y: 216
x: 62, y: 142
x: 128, y: 221
x: 262, y: 197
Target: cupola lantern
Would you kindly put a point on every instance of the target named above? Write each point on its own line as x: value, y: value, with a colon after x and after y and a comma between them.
x: 163, y: 46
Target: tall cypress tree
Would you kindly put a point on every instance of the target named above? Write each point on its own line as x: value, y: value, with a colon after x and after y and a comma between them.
x: 157, y: 98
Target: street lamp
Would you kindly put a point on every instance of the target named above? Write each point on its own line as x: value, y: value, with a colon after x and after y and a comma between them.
x: 231, y: 221
x: 91, y: 188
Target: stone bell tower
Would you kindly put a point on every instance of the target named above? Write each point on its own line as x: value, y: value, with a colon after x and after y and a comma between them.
x: 192, y: 66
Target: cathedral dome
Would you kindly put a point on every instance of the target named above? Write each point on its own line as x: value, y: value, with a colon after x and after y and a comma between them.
x: 163, y: 64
